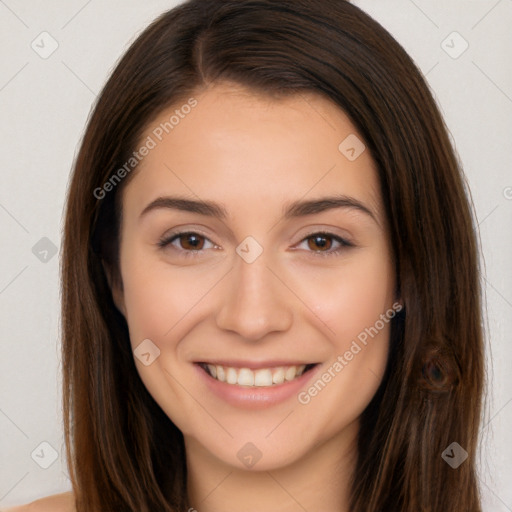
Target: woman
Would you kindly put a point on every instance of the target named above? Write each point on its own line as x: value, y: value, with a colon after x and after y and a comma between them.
x: 269, y: 275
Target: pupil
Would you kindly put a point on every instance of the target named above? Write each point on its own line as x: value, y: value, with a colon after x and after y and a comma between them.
x: 192, y: 241
x: 321, y: 241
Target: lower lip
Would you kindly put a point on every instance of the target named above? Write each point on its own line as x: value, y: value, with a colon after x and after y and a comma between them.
x: 255, y: 397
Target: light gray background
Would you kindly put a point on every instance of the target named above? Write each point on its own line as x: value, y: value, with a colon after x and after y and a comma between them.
x: 44, y: 104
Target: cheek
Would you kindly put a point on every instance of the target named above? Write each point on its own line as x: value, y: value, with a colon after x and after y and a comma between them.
x: 351, y: 299
x: 352, y: 307
x: 352, y: 296
x: 160, y: 302
x: 352, y: 302
x: 158, y: 297
x: 150, y: 305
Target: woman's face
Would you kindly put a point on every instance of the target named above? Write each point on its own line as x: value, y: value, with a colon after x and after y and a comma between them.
x: 265, y: 263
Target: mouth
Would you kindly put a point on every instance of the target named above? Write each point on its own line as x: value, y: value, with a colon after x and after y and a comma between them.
x: 265, y: 377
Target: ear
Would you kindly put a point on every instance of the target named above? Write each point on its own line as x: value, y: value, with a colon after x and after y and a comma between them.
x: 116, y: 287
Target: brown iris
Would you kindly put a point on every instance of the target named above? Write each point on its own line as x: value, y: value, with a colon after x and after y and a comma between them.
x: 191, y: 241
x: 194, y: 242
x: 322, y: 242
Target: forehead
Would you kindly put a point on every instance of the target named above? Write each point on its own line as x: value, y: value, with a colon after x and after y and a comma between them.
x: 252, y: 152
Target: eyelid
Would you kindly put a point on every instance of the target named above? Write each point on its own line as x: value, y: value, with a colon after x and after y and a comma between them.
x: 169, y: 238
x: 327, y: 232
x: 344, y: 243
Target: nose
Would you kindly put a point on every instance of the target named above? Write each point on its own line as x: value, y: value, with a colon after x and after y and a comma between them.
x: 256, y: 302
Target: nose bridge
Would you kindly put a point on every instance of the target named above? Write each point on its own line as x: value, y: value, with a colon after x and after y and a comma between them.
x: 255, y: 303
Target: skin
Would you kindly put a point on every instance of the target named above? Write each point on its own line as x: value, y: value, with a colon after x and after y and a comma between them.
x: 63, y: 502
x: 235, y: 148
x: 255, y: 155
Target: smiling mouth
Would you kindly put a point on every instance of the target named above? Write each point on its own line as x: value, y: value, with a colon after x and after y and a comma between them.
x: 262, y: 377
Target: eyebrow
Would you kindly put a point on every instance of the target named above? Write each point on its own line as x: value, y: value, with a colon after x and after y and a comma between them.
x: 299, y: 208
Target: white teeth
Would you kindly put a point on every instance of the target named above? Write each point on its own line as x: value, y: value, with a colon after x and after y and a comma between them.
x: 213, y: 370
x: 264, y: 377
x: 220, y: 374
x: 245, y: 377
x: 290, y: 373
x: 278, y: 377
x: 231, y: 376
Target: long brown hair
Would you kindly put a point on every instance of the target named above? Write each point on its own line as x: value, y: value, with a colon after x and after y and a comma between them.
x: 124, y: 453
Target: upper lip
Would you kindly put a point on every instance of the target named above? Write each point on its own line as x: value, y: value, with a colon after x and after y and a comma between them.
x: 253, y: 365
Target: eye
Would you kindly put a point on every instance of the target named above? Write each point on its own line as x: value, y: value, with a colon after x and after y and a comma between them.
x: 322, y: 243
x: 189, y: 243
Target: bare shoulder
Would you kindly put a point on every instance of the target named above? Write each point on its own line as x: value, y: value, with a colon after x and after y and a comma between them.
x: 63, y: 502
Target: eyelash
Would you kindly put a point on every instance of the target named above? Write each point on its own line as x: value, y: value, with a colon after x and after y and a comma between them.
x: 344, y: 244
